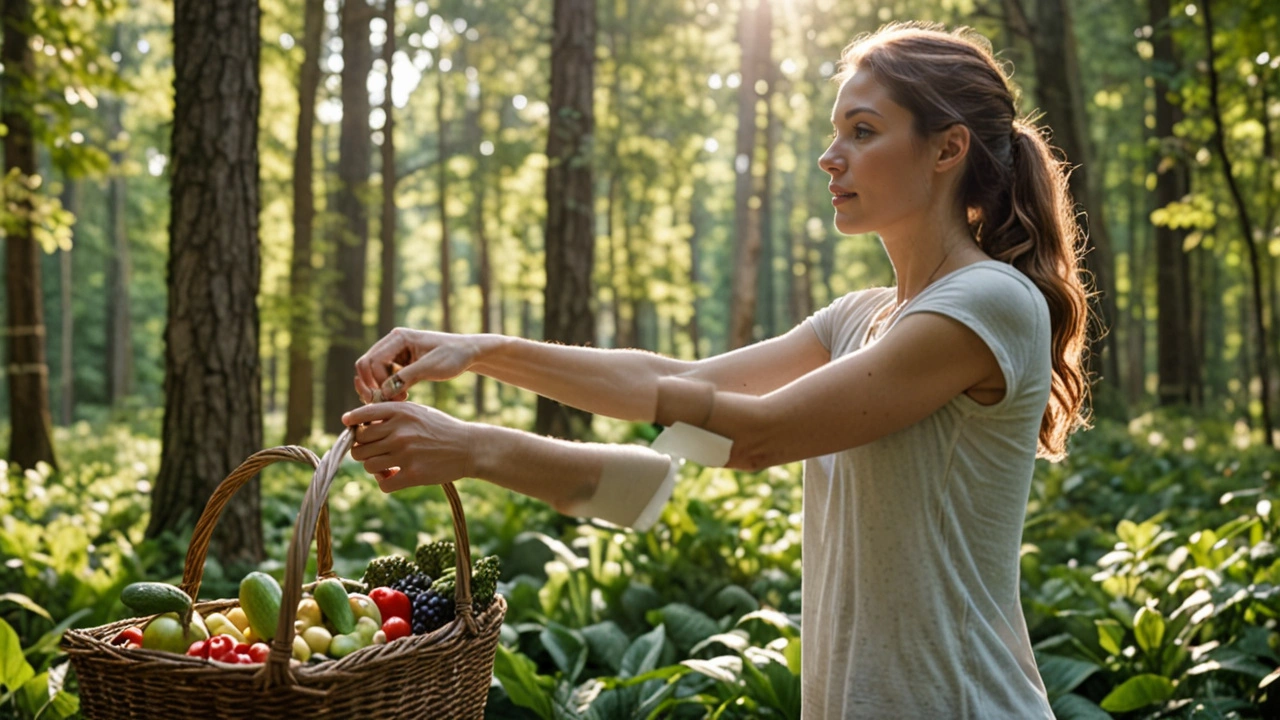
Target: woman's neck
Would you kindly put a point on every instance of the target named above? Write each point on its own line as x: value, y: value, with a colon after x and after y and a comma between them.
x: 927, y: 252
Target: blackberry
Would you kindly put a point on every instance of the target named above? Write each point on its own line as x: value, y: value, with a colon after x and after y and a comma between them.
x: 431, y: 611
x: 412, y: 585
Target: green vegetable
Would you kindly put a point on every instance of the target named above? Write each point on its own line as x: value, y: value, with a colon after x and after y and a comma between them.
x: 336, y: 605
x: 260, y: 598
x: 150, y: 598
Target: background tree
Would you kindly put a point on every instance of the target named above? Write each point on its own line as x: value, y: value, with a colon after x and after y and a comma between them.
x: 213, y: 403
x: 570, y: 237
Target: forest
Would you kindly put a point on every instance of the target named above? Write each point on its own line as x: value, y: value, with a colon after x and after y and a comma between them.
x: 212, y: 208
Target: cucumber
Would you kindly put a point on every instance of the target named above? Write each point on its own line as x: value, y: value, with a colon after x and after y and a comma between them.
x: 336, y: 605
x: 151, y: 598
x: 260, y: 598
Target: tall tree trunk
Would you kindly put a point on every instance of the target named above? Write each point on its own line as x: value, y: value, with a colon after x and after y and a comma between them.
x: 355, y: 150
x: 484, y: 272
x: 440, y: 389
x: 66, y: 406
x: 300, y: 411
x: 1174, y: 340
x: 1246, y: 231
x: 570, y: 236
x: 30, y: 439
x: 387, y: 292
x: 213, y: 373
x: 1135, y: 330
x: 119, y: 271
x: 755, y: 32
x: 768, y: 301
x: 1057, y: 73
x: 634, y: 283
x: 695, y: 263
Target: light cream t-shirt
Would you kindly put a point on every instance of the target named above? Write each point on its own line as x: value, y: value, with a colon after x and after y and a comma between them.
x: 910, y: 588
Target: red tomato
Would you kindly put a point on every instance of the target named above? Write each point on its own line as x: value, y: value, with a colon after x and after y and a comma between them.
x: 199, y: 649
x: 392, y: 603
x: 259, y: 652
x: 396, y: 628
x: 128, y: 635
x: 220, y: 646
x: 242, y: 648
x: 244, y: 659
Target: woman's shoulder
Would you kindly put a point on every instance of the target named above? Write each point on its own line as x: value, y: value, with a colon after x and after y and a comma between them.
x: 992, y: 288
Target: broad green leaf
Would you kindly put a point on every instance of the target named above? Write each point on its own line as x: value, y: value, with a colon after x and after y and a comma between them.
x: 27, y: 604
x: 519, y: 677
x: 734, y: 640
x: 1075, y: 707
x: 1148, y: 628
x: 1110, y: 635
x: 1138, y: 692
x: 567, y: 647
x: 733, y: 600
x: 607, y: 642
x: 643, y: 654
x: 792, y: 653
x: 614, y: 704
x: 686, y: 626
x: 15, y: 671
x: 1061, y: 674
x: 638, y: 599
x: 49, y: 641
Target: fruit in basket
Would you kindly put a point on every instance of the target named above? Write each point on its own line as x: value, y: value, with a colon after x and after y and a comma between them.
x: 317, y: 638
x: 260, y: 597
x: 434, y: 557
x: 364, y: 606
x: 127, y: 636
x: 392, y: 603
x: 218, y: 624
x: 335, y: 604
x: 396, y: 627
x: 431, y: 611
x: 301, y: 650
x: 344, y: 645
x: 238, y: 618
x: 484, y: 581
x: 365, y: 628
x: 413, y: 585
x: 384, y: 571
x: 166, y: 632
x: 152, y: 598
x: 309, y: 613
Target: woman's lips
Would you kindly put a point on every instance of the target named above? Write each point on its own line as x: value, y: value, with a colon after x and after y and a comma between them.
x: 836, y: 200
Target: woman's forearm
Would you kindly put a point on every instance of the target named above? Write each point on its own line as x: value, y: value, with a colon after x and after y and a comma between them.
x: 616, y: 383
x: 567, y: 475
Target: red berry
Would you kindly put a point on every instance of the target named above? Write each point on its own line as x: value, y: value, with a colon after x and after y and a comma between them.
x: 128, y: 635
x: 199, y: 649
x: 220, y: 646
x: 396, y: 628
x: 242, y: 648
x: 392, y: 603
x: 259, y: 652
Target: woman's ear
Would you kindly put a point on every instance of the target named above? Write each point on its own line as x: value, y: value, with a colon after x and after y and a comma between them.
x: 952, y: 146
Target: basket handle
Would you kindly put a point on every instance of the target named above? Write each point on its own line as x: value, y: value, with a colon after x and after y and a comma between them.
x: 276, y: 670
x: 193, y: 569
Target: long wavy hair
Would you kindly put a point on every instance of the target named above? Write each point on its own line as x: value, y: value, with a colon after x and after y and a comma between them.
x: 1014, y: 185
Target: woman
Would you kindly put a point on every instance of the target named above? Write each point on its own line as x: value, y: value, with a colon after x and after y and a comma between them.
x: 919, y: 409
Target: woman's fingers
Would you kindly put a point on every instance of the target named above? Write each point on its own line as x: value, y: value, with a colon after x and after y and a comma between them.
x: 373, y: 368
x: 372, y: 432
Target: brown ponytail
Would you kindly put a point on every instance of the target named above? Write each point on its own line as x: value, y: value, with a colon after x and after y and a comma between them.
x: 1014, y: 187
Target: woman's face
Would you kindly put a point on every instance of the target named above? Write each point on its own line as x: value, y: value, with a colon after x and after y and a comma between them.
x: 881, y: 170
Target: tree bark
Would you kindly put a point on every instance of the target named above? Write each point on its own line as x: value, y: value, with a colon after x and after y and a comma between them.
x: 355, y: 150
x: 767, y: 308
x: 120, y: 266
x: 213, y: 374
x: 387, y: 291
x: 30, y: 439
x: 1174, y: 339
x: 570, y: 236
x: 1246, y: 231
x: 484, y: 272
x: 440, y: 389
x: 300, y: 410
x: 1057, y: 73
x: 755, y: 32
x: 66, y: 406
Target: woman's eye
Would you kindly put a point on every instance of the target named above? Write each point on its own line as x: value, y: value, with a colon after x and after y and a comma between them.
x: 862, y: 133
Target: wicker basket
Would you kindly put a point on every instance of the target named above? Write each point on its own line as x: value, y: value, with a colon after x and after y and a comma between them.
x: 445, y: 674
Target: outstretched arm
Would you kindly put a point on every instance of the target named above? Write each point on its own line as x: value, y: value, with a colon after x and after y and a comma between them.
x: 925, y: 362
x: 612, y: 382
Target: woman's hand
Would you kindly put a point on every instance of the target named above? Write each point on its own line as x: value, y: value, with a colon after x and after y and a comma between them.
x: 406, y: 444
x: 424, y: 355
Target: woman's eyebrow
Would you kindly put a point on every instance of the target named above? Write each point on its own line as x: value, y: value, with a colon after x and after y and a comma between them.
x: 855, y: 111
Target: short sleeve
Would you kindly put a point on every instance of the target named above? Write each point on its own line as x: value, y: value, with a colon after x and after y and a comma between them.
x: 1008, y: 313
x: 834, y: 324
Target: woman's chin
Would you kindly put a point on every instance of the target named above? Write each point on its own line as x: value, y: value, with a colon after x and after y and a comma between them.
x: 848, y: 226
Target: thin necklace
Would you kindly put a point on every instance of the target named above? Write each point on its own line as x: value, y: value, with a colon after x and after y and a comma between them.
x: 893, y: 316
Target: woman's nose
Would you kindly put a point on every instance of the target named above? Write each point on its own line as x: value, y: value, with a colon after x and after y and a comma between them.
x: 830, y: 162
